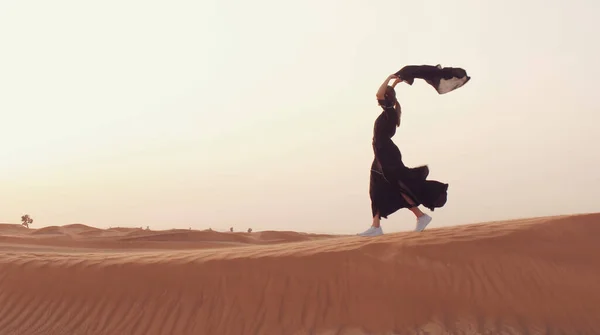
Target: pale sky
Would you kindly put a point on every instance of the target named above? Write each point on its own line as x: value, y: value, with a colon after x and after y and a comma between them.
x: 177, y: 114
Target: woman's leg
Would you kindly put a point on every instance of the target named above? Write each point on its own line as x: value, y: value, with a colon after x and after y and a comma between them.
x: 376, y: 188
x: 376, y: 220
x: 415, y: 209
x: 422, y: 219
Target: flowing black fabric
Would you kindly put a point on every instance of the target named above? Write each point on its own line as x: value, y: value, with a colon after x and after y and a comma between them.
x: 390, y: 178
x: 443, y: 79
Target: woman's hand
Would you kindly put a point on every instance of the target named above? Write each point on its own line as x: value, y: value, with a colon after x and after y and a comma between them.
x: 397, y: 81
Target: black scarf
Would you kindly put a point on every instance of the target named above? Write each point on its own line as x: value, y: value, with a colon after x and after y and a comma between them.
x: 443, y: 79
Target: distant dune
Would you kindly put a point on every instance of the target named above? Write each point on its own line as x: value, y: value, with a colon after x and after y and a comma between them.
x: 531, y: 276
x: 9, y: 228
x: 51, y: 230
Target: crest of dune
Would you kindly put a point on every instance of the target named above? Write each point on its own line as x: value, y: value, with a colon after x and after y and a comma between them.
x: 529, y: 276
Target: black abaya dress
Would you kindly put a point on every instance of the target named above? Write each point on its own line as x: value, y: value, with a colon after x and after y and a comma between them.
x: 390, y: 178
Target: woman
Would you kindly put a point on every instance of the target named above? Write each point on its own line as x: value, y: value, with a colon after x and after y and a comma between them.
x: 393, y: 185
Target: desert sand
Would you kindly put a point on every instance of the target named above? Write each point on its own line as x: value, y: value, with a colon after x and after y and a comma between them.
x: 530, y: 276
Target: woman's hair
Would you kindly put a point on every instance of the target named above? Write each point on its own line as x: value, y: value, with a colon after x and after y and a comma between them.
x: 390, y: 94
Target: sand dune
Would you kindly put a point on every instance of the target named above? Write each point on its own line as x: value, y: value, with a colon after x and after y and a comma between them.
x: 51, y: 230
x: 8, y: 228
x: 85, y: 237
x: 534, y: 276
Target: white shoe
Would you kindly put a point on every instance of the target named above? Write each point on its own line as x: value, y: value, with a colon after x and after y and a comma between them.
x: 422, y: 222
x: 372, y: 231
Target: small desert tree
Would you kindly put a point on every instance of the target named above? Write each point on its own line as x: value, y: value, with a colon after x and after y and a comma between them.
x: 26, y: 220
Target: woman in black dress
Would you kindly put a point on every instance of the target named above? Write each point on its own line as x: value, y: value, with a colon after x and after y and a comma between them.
x: 393, y: 185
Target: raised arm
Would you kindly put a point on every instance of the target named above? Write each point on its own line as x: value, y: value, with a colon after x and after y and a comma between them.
x: 381, y: 92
